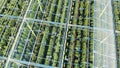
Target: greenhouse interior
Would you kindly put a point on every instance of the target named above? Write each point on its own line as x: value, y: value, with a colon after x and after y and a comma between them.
x: 59, y: 33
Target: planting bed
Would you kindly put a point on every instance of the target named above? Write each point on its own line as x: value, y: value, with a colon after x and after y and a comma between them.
x: 8, y: 26
x: 116, y: 5
x: 47, y: 33
x: 42, y: 46
x: 49, y: 10
x: 33, y: 39
x: 79, y: 45
x: 14, y: 7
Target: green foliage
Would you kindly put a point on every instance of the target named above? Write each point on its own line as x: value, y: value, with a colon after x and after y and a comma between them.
x: 48, y: 42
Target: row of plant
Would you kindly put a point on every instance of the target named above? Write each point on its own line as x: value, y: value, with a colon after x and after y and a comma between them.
x: 81, y: 11
x: 16, y: 8
x: 79, y: 46
x: 1, y: 4
x: 44, y: 48
x: 40, y: 42
x: 2, y: 63
x: 116, y: 6
x: 9, y: 27
x: 57, y: 9
x: 16, y: 65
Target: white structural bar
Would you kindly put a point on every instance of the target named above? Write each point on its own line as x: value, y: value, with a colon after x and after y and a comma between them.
x: 13, y: 46
x: 57, y: 23
x: 104, y: 10
x: 65, y: 34
x: 27, y: 63
x: 32, y: 19
x: 31, y: 63
x: 39, y: 1
x: 3, y: 5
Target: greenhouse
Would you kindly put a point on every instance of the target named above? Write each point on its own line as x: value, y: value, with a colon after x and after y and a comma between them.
x: 59, y: 33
